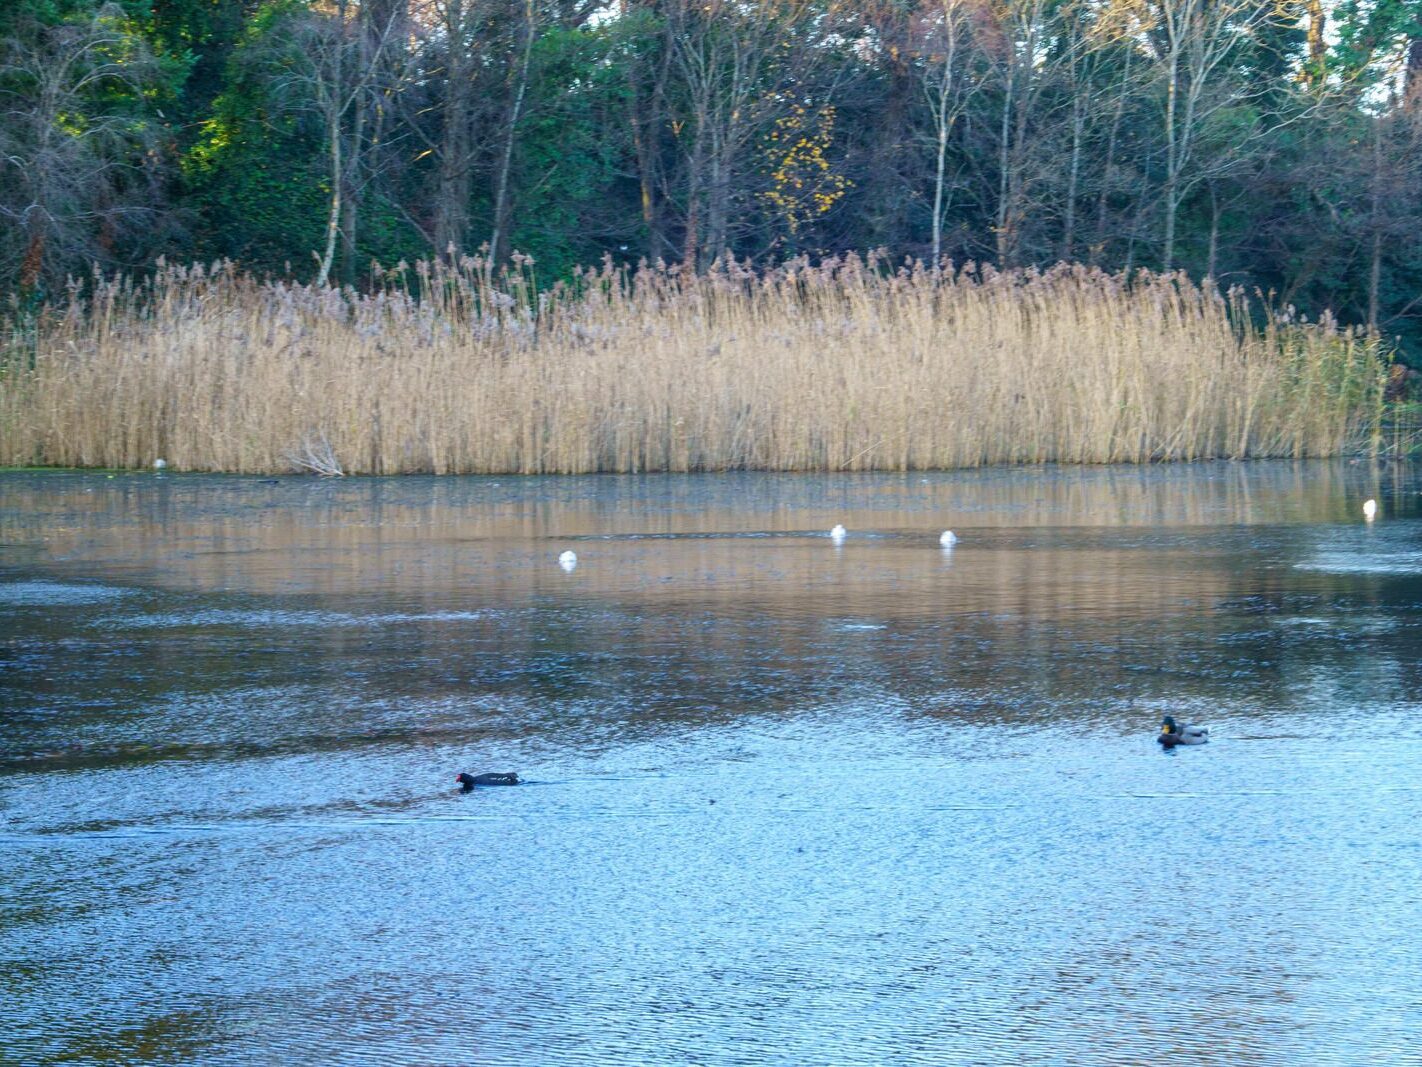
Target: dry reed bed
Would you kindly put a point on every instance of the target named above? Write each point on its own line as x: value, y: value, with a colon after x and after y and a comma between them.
x: 844, y: 365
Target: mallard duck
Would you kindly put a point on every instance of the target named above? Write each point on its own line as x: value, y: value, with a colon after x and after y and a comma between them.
x: 1171, y: 735
x: 467, y: 782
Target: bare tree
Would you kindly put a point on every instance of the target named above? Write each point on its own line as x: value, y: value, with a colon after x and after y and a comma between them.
x: 737, y: 63
x: 383, y: 28
x: 1122, y: 88
x: 74, y: 143
x: 515, y: 113
x: 332, y: 61
x: 1014, y: 38
x: 1081, y: 83
x: 1195, y: 45
x: 456, y: 30
x: 941, y: 39
x: 649, y: 45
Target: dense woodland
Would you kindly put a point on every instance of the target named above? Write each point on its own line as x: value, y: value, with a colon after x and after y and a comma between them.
x: 1274, y: 144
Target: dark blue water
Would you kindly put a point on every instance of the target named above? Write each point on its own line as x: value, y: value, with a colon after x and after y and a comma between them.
x: 787, y: 802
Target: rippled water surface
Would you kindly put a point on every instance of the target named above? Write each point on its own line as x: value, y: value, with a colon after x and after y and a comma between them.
x: 788, y: 801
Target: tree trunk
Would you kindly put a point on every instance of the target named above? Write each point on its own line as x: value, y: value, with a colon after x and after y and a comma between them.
x: 647, y: 114
x: 695, y: 188
x: 451, y: 209
x: 1375, y: 267
x: 1004, y: 166
x: 333, y: 219
x: 944, y: 115
x: 1172, y: 157
x: 1104, y: 194
x: 1215, y: 211
x: 1314, y: 71
x: 1078, y: 137
x: 501, y: 193
x: 33, y: 265
x: 352, y: 196
x: 938, y: 184
x: 451, y: 222
x: 643, y: 136
x: 719, y: 194
x: 1412, y: 86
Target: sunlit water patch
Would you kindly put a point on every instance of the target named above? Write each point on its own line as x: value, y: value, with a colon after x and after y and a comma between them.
x: 258, y: 619
x: 1406, y: 563
x: 58, y: 594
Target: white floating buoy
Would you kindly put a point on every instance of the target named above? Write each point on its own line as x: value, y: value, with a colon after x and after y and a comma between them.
x: 1370, y: 510
x: 838, y: 533
x: 159, y: 464
x: 947, y: 539
x: 568, y: 560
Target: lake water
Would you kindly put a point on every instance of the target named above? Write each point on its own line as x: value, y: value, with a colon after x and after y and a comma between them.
x: 787, y: 801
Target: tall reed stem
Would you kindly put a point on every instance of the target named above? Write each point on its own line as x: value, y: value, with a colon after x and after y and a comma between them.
x: 846, y: 364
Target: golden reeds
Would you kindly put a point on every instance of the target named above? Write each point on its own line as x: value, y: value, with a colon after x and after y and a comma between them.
x: 841, y: 365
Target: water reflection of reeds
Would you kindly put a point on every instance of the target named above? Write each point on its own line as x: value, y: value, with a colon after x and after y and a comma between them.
x: 1074, y: 593
x: 408, y: 536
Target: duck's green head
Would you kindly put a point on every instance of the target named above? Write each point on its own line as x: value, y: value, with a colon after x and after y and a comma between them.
x: 1168, y: 726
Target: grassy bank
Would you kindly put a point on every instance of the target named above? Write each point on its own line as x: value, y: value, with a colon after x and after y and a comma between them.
x: 845, y: 365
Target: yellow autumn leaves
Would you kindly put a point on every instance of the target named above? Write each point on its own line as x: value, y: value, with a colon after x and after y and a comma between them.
x: 803, y: 185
